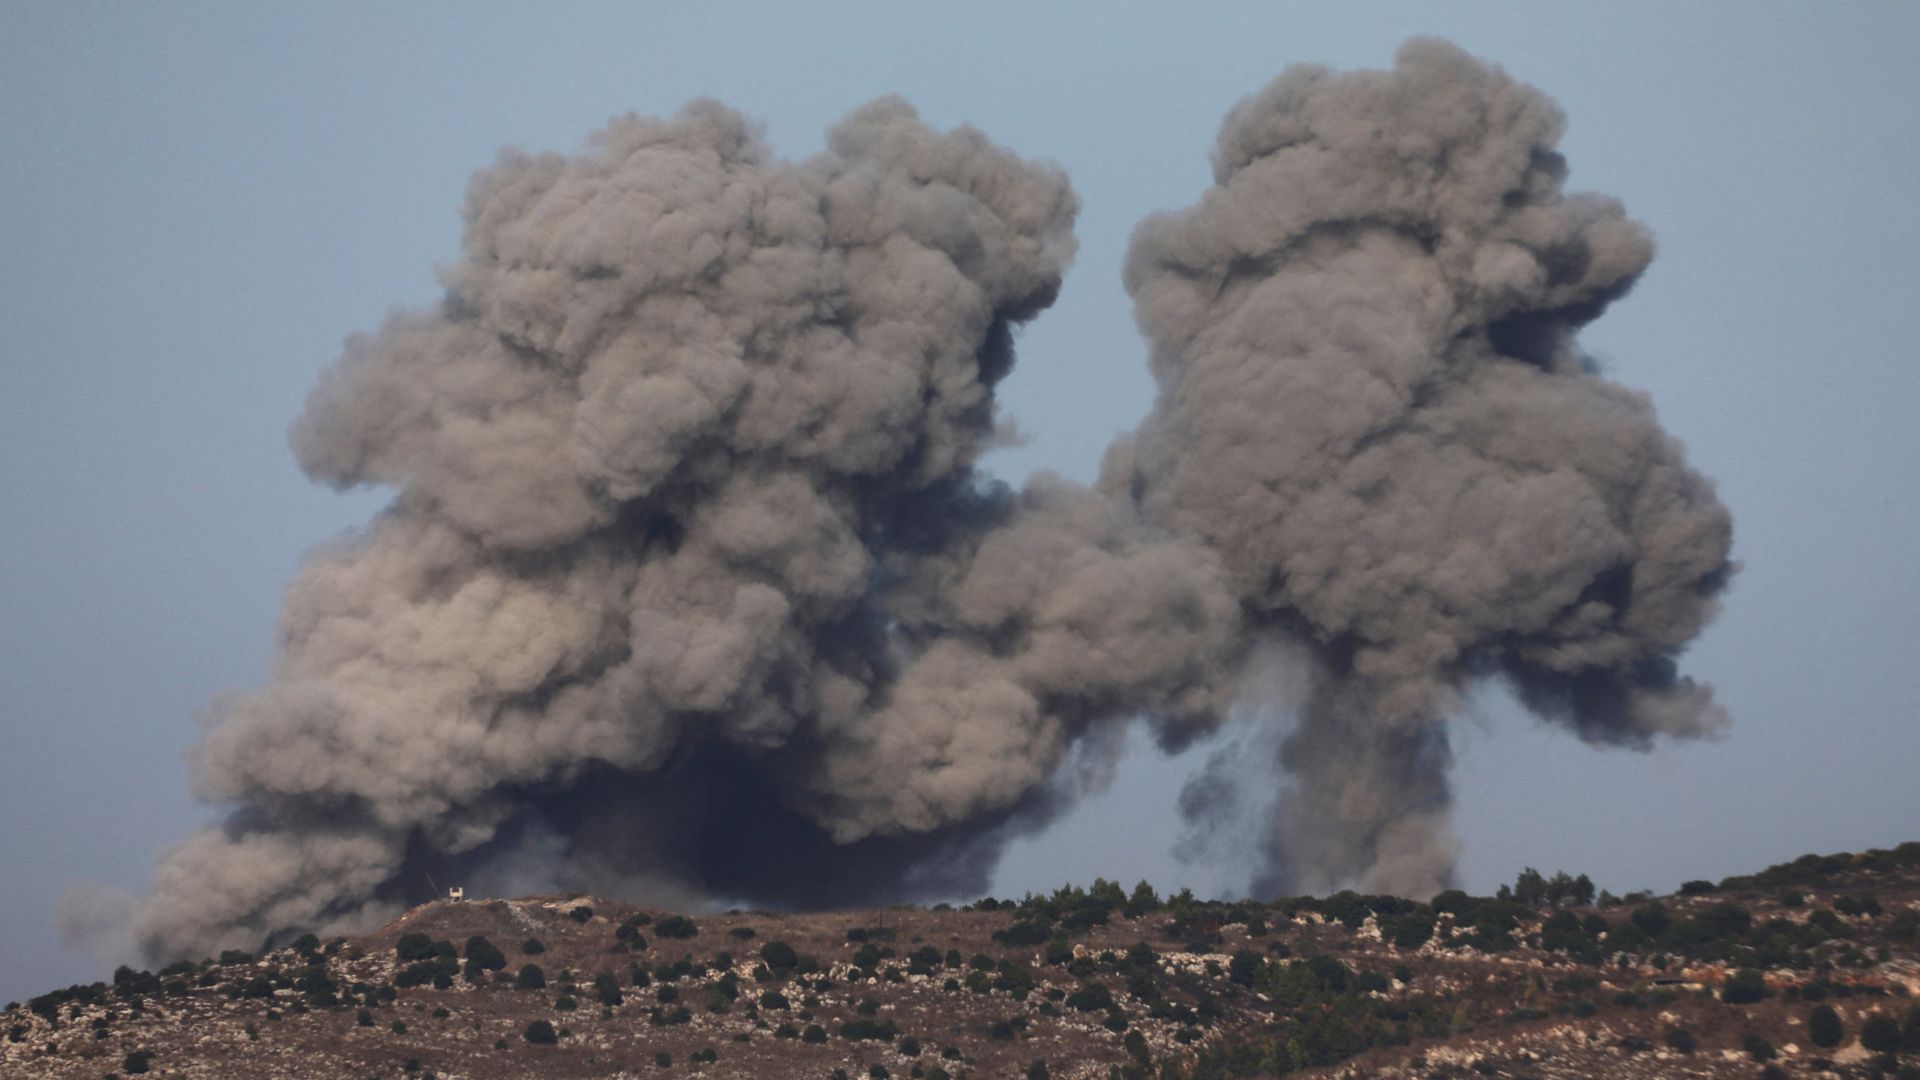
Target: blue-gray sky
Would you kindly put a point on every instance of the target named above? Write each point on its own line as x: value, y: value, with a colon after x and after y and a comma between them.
x: 200, y: 201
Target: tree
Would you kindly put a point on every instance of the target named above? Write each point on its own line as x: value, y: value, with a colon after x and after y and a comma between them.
x: 1530, y: 888
x: 1824, y: 1028
x: 1582, y: 890
x: 540, y: 1033
x: 1142, y: 901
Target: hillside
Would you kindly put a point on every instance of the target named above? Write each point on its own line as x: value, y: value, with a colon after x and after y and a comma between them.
x: 1738, y: 979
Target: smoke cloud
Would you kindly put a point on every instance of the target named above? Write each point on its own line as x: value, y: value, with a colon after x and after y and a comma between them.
x: 1373, y: 408
x: 690, y: 587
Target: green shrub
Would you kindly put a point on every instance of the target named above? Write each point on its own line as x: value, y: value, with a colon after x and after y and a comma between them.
x: 1881, y: 1034
x: 530, y: 978
x: 532, y: 947
x: 814, y: 1034
x: 1023, y: 933
x: 1824, y: 1028
x: 364, y: 1018
x: 1745, y: 987
x: 541, y: 1033
x: 1090, y: 997
x: 678, y: 927
x: 137, y: 1062
x: 863, y: 1029
x: 580, y: 913
x: 1757, y: 1048
x: 412, y: 947
x: 779, y: 956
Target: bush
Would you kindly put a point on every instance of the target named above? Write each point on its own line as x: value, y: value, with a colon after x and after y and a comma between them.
x: 676, y: 926
x: 482, y: 956
x: 540, y: 1033
x: 364, y: 1018
x: 412, y: 947
x: 814, y: 1034
x: 1023, y: 933
x: 137, y: 1062
x: 1745, y: 987
x: 1037, y: 1071
x: 662, y: 1058
x: 1681, y: 1039
x: 1881, y: 1034
x: 1824, y: 1028
x: 1756, y: 1047
x: 779, y: 956
x: 530, y: 978
x: 532, y: 947
x: 607, y: 989
x: 580, y: 914
x: 858, y: 1030
x: 1091, y: 997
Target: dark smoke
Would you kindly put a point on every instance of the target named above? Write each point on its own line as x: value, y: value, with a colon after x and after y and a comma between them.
x: 690, y: 589
x: 1373, y: 407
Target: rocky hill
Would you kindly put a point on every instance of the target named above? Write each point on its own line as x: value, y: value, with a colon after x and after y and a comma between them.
x: 1808, y: 968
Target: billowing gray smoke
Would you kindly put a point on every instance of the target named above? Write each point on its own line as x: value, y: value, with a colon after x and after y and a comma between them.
x: 690, y: 587
x: 1373, y: 408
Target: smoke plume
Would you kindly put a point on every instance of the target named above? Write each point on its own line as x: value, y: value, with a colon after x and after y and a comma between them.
x: 690, y: 587
x: 1373, y: 408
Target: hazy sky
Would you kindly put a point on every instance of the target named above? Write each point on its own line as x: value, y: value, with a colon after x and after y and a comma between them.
x: 200, y: 201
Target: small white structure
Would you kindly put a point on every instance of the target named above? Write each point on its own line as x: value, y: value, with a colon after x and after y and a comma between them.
x: 456, y: 894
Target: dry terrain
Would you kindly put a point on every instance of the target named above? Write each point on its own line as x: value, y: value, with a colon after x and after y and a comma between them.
x: 1723, y: 980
